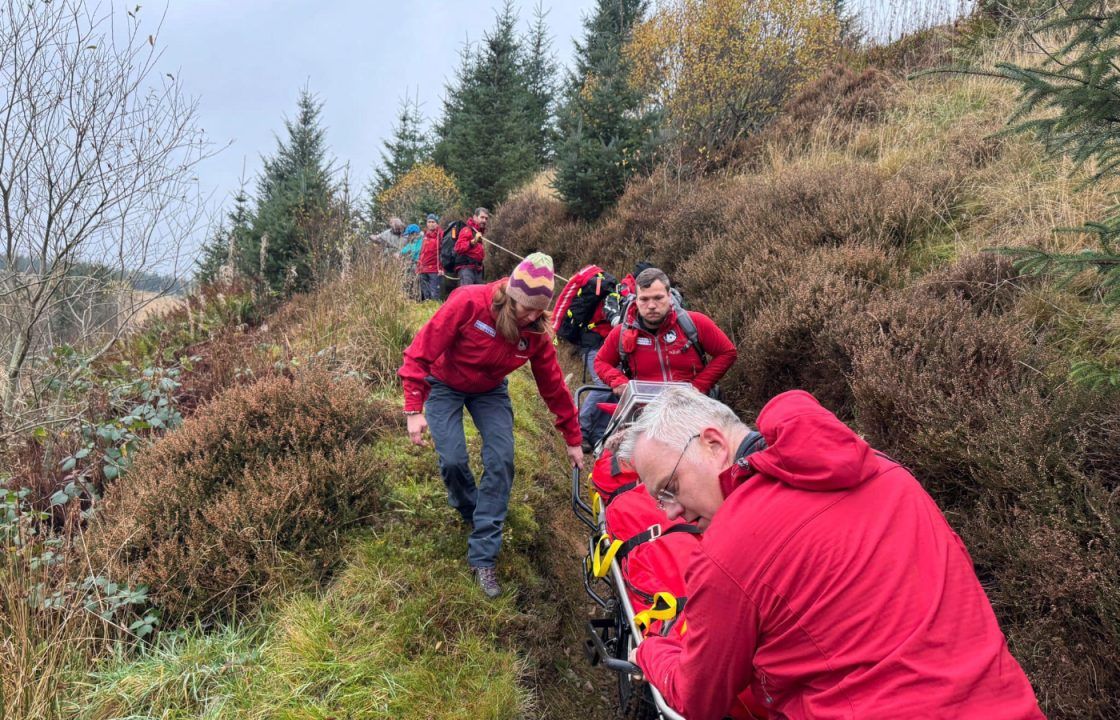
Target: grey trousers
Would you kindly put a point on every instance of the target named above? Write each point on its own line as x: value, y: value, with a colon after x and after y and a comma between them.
x: 487, y: 503
x: 429, y: 286
x: 470, y: 276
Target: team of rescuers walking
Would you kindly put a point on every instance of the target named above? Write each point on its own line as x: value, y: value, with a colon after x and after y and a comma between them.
x: 827, y: 582
x: 454, y: 255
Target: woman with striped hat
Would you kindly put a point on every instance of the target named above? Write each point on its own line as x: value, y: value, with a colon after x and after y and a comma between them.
x: 460, y: 359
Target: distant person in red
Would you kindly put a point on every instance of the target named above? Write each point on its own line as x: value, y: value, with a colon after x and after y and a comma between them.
x: 470, y: 250
x: 828, y: 581
x: 427, y: 267
x: 653, y: 341
x: 460, y: 359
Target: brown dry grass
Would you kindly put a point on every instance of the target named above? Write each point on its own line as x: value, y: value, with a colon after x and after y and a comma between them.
x: 845, y: 256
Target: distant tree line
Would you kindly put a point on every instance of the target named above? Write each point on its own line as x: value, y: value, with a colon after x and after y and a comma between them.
x: 637, y: 94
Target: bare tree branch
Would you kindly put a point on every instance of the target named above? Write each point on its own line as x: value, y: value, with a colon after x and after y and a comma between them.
x: 98, y: 147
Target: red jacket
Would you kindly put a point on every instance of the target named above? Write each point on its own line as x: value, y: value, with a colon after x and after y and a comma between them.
x: 461, y: 348
x: 429, y: 252
x: 831, y: 584
x: 476, y: 252
x: 666, y: 355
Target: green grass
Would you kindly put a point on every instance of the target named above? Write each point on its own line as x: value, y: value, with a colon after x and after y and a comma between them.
x: 400, y: 632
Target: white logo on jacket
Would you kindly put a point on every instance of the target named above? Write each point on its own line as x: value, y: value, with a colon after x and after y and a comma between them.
x: 485, y: 328
x: 645, y: 341
x: 671, y: 336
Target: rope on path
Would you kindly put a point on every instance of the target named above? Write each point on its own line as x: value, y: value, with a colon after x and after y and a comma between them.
x: 488, y: 241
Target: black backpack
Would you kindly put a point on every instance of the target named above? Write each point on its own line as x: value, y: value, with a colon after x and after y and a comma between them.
x: 449, y: 260
x: 577, y: 319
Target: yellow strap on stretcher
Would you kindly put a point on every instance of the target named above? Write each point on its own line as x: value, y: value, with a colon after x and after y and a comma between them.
x: 664, y: 608
x: 596, y: 504
x: 601, y: 561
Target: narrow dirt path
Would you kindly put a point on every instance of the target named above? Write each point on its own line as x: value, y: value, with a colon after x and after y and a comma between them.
x: 567, y: 687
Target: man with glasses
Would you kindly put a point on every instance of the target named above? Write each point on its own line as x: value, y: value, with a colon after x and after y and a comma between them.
x: 828, y: 581
x: 657, y: 340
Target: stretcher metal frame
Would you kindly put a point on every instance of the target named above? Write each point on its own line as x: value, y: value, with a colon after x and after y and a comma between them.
x: 617, y: 603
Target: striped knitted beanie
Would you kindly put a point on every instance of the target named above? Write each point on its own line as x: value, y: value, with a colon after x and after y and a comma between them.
x: 531, y: 282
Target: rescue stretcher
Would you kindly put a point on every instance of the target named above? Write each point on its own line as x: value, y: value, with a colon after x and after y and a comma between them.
x: 635, y: 564
x: 612, y: 559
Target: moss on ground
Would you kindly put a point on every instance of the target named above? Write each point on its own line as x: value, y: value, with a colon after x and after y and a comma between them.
x: 401, y: 631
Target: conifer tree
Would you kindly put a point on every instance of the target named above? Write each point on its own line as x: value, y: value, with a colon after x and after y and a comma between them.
x: 240, y: 234
x: 212, y: 256
x: 540, y: 76
x: 227, y: 242
x: 605, y: 136
x: 407, y: 148
x: 1070, y: 103
x: 294, y: 187
x: 485, y: 135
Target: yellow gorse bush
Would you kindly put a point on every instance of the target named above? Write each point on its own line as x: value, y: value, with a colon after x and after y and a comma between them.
x: 719, y: 69
x: 424, y: 189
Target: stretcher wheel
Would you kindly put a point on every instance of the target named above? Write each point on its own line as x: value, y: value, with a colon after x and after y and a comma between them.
x: 635, y: 701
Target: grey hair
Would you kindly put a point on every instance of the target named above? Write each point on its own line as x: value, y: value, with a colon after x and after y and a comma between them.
x: 479, y: 210
x: 649, y: 276
x: 675, y: 416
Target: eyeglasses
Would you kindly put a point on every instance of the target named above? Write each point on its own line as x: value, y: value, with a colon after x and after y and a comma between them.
x: 665, y: 496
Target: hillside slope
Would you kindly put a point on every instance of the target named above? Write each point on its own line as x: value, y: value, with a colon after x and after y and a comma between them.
x: 844, y: 255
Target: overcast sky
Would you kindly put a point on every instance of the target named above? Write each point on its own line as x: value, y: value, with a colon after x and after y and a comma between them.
x: 245, y: 61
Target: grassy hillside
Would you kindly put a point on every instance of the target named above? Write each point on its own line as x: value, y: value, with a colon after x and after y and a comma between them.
x: 843, y: 252
x: 296, y: 552
x: 238, y: 528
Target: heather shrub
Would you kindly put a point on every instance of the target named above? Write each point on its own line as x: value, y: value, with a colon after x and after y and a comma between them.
x: 985, y: 282
x: 799, y: 336
x: 928, y: 375
x: 255, y: 488
x: 928, y: 48
x: 233, y: 356
x: 529, y: 221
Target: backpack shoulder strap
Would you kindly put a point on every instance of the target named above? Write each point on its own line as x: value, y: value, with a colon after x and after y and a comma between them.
x: 688, y: 327
x: 623, y: 356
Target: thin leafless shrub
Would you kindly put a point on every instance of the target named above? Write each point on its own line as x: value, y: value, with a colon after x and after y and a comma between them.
x: 97, y: 175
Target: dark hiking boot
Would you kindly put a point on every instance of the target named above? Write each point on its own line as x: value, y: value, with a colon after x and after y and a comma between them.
x: 488, y: 580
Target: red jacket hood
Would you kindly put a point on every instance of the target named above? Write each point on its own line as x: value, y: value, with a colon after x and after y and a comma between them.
x: 808, y: 447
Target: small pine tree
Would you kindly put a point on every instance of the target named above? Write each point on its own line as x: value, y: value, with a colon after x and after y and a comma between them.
x: 605, y: 136
x: 295, y: 185
x: 486, y: 134
x: 408, y: 147
x: 1071, y: 105
x: 213, y: 255
x: 229, y: 242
